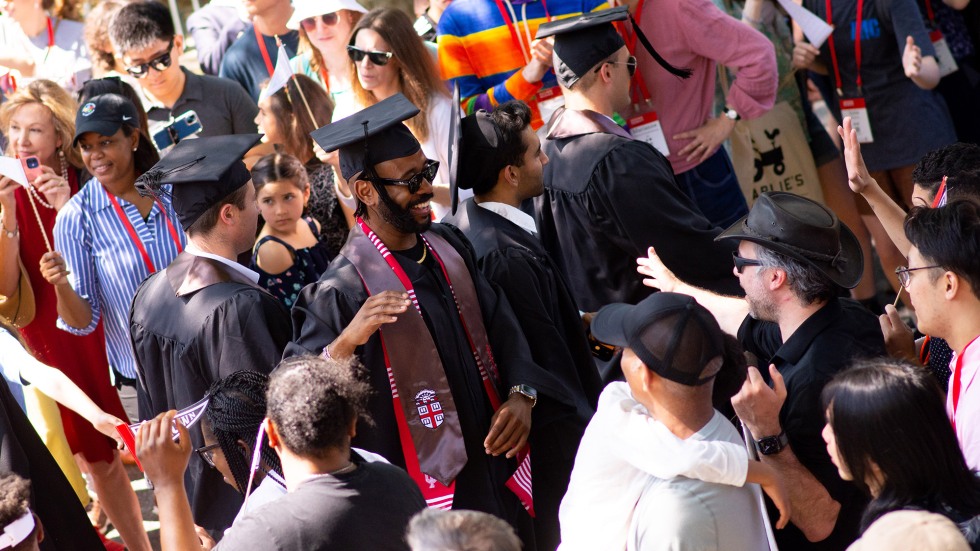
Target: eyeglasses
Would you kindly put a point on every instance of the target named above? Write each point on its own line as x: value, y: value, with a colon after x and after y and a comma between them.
x: 328, y: 20
x: 904, y: 273
x: 428, y: 173
x: 630, y: 65
x: 378, y: 58
x: 160, y: 63
x: 741, y: 263
x: 206, y: 454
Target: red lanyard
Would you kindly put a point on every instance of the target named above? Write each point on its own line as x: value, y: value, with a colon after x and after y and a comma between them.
x: 512, y: 26
x: 638, y: 88
x: 265, y: 52
x: 931, y: 15
x: 939, y: 199
x: 857, y: 47
x: 135, y: 238
x: 50, y: 34
x: 957, y: 379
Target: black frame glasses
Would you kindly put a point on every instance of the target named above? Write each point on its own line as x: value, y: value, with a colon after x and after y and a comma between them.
x: 630, y: 65
x: 904, y: 273
x: 428, y: 172
x: 206, y: 453
x: 328, y: 20
x: 378, y: 58
x: 161, y: 63
x: 741, y: 263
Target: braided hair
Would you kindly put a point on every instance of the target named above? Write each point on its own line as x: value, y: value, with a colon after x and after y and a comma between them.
x: 235, y: 410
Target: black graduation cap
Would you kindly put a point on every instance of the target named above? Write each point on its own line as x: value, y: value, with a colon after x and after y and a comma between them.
x: 581, y: 42
x: 477, y: 142
x: 201, y: 171
x: 370, y: 136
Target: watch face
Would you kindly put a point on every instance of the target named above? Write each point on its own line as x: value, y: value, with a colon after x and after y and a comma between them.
x: 768, y: 446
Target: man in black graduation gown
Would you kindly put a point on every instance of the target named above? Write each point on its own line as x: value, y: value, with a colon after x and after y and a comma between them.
x: 204, y: 316
x: 500, y: 158
x: 442, y: 347
x: 608, y: 196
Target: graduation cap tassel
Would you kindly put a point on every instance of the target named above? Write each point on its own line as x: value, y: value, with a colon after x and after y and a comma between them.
x: 682, y: 73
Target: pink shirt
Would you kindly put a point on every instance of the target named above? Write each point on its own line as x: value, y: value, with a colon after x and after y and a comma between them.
x: 968, y: 409
x: 695, y: 34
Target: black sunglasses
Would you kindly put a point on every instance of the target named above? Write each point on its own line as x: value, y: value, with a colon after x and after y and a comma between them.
x: 428, y: 173
x: 160, y: 63
x: 378, y: 58
x: 630, y: 65
x: 328, y: 19
x: 206, y: 453
x: 741, y: 263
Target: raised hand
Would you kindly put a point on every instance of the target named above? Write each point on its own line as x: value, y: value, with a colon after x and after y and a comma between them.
x: 757, y: 405
x: 911, y: 58
x: 858, y: 177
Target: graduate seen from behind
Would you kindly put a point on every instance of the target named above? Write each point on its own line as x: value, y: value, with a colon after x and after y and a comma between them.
x: 204, y: 316
x: 337, y: 499
x: 451, y: 409
x: 501, y: 160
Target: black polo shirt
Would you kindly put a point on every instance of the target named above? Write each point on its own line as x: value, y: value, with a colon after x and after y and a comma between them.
x: 826, y: 343
x: 222, y: 106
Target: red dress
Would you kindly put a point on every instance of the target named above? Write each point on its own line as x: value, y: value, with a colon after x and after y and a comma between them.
x: 82, y: 359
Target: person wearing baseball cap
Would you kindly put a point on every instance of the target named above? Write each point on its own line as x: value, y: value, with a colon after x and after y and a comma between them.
x: 794, y: 260
x: 108, y: 237
x: 657, y: 451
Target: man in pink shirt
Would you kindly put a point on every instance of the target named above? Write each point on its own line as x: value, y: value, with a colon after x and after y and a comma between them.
x: 943, y: 281
x: 696, y: 35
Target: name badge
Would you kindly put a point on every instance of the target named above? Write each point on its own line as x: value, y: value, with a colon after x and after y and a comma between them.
x: 549, y: 101
x: 858, y: 111
x: 944, y: 57
x: 647, y: 128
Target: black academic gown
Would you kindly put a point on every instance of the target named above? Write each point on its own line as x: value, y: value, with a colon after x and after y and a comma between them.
x: 192, y: 324
x: 515, y: 261
x: 66, y: 527
x: 324, y: 309
x: 607, y: 198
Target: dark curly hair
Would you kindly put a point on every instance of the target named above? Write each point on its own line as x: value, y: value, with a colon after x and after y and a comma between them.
x: 236, y: 408
x: 15, y: 499
x: 313, y: 401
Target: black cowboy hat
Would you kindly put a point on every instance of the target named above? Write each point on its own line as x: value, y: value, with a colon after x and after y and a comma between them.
x: 805, y: 230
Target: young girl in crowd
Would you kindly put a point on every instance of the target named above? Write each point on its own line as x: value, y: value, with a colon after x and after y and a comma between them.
x: 285, y: 119
x: 289, y: 252
x: 887, y: 430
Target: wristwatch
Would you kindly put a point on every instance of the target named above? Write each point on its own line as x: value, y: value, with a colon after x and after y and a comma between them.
x: 771, y: 445
x: 526, y: 390
x: 731, y: 113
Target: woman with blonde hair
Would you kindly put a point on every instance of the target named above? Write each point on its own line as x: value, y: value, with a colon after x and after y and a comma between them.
x: 324, y: 27
x: 389, y: 57
x: 38, y: 121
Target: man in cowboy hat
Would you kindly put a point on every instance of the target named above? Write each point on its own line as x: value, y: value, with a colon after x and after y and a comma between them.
x: 794, y: 257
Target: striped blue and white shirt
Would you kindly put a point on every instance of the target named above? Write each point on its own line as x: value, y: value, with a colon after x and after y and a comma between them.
x: 106, y: 265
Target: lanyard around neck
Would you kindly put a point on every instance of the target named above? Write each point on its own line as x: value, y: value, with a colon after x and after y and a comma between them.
x: 957, y: 383
x: 265, y: 52
x: 135, y: 238
x: 512, y: 25
x: 857, y: 47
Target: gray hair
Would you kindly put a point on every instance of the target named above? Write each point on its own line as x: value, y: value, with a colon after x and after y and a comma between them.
x: 806, y: 281
x: 435, y: 530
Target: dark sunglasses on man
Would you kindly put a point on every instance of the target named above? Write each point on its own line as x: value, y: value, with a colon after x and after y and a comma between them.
x: 328, y: 20
x: 428, y: 173
x: 741, y: 263
x: 378, y: 58
x: 160, y: 63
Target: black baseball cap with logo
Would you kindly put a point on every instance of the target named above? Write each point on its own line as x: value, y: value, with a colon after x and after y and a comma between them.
x: 105, y: 115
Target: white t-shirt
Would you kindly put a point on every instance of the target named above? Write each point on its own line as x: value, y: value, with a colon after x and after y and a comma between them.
x: 623, y: 448
x: 683, y: 514
x: 66, y: 62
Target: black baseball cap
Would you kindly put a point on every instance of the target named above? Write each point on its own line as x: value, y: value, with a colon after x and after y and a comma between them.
x: 199, y: 173
x: 105, y: 115
x: 672, y: 334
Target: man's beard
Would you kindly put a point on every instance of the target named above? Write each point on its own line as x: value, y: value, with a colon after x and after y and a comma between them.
x: 401, y: 218
x: 762, y: 308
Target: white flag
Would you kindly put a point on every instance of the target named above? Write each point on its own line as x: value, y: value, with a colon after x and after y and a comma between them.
x: 816, y: 30
x: 280, y: 76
